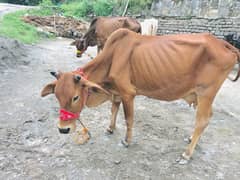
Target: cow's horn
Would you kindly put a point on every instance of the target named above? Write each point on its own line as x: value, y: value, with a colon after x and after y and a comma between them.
x: 55, y: 74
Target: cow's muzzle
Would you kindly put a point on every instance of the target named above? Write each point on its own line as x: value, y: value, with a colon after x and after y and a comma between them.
x: 79, y: 53
x: 64, y: 131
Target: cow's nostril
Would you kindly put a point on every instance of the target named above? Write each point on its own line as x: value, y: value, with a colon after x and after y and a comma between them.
x: 64, y: 131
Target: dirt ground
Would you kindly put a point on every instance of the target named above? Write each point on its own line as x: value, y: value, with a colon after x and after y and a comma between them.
x: 32, y: 148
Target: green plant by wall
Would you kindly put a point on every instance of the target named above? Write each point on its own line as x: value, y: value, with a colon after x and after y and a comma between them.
x: 136, y: 6
x: 77, y: 8
x: 103, y: 7
x: 83, y: 8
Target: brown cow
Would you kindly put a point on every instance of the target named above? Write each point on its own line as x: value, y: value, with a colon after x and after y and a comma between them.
x: 101, y: 28
x: 190, y: 66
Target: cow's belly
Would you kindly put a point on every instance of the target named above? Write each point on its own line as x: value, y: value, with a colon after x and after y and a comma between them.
x: 166, y: 73
x: 173, y: 90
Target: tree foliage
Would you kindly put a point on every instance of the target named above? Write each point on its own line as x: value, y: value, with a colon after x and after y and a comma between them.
x: 29, y: 2
x: 83, y: 8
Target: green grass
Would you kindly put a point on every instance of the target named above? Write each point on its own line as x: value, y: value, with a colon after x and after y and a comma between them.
x: 12, y: 26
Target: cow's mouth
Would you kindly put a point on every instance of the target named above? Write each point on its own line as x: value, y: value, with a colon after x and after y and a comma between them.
x: 79, y: 53
x: 66, y: 128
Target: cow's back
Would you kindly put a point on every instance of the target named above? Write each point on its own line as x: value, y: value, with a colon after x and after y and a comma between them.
x: 168, y: 67
x: 105, y: 26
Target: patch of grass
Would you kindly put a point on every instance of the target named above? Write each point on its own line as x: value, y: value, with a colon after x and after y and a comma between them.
x: 13, y: 27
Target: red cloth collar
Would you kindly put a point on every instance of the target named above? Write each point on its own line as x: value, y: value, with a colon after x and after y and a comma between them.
x: 67, y: 115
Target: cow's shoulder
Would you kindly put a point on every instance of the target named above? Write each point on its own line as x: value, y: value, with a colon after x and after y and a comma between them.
x: 118, y: 35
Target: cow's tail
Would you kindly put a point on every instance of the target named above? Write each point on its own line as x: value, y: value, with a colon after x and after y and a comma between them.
x: 237, y: 52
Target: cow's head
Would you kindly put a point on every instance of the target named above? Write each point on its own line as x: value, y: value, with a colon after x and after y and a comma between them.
x: 73, y: 92
x: 80, y: 46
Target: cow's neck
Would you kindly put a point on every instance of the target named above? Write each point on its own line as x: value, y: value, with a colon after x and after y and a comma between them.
x: 90, y: 37
x: 96, y: 70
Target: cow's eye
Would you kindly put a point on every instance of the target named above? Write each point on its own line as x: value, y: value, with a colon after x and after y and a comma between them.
x: 75, y: 98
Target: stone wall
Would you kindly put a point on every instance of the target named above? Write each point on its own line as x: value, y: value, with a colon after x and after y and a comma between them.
x: 218, y: 27
x: 197, y: 8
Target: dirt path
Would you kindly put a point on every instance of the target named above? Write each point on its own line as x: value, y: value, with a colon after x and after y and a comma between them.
x: 32, y: 148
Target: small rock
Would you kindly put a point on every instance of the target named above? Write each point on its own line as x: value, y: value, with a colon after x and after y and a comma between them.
x: 29, y: 121
x: 117, y: 162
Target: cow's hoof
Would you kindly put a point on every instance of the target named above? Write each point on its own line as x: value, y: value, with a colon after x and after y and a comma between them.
x: 125, y: 143
x: 183, y: 159
x: 109, y: 131
x: 188, y: 140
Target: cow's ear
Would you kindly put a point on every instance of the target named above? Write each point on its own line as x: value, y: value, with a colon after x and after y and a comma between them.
x: 48, y: 89
x: 93, y: 87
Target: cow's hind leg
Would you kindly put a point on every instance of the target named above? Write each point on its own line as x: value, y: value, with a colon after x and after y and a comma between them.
x: 204, y: 112
x: 114, y: 110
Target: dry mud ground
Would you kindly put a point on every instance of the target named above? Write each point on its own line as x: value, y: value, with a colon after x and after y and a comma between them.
x: 32, y: 148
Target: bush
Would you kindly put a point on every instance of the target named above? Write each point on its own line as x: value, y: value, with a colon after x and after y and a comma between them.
x: 77, y: 9
x: 28, y: 2
x: 46, y: 8
x: 86, y: 7
x: 83, y: 8
x: 25, y: 2
x: 137, y: 6
x: 103, y: 7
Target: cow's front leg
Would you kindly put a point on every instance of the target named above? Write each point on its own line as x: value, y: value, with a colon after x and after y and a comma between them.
x: 114, y: 110
x: 99, y: 49
x: 128, y: 112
